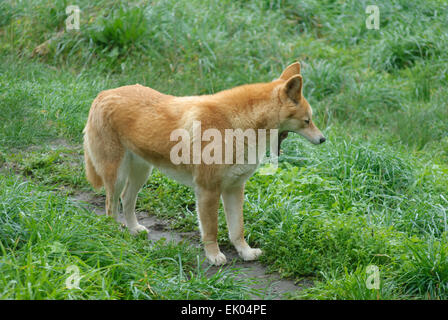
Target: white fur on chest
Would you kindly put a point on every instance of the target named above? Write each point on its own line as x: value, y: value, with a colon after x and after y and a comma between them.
x: 233, y: 176
x: 238, y: 174
x: 180, y: 176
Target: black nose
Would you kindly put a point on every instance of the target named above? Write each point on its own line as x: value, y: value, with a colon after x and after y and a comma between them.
x: 322, y: 140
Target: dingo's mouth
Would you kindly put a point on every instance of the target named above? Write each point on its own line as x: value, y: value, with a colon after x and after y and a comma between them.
x: 319, y: 139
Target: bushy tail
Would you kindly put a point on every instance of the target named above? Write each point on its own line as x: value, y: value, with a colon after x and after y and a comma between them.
x: 92, y: 176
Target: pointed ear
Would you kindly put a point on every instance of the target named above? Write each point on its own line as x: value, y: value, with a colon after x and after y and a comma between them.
x: 293, y: 88
x: 290, y: 71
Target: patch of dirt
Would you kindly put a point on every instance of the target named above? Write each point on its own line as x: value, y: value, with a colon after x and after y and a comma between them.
x: 95, y: 201
x: 54, y: 144
x: 266, y: 285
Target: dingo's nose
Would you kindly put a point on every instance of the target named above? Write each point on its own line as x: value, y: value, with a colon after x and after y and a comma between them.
x: 322, y: 140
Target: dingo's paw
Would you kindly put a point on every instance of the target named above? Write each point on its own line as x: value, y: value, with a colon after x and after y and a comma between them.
x: 249, y: 254
x: 137, y: 229
x: 218, y: 259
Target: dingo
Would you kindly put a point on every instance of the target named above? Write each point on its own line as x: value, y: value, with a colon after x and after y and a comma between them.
x: 128, y: 133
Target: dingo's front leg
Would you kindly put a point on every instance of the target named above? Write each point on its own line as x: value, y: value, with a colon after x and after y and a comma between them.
x: 207, y: 206
x: 233, y: 199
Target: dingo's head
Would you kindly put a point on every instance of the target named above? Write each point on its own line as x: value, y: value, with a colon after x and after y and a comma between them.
x: 295, y: 111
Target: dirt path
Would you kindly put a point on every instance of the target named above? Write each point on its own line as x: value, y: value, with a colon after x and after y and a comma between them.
x: 266, y: 285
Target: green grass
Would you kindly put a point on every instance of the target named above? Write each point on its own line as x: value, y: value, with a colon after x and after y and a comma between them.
x: 43, y: 234
x: 375, y: 193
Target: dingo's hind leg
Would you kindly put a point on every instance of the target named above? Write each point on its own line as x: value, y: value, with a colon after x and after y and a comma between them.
x: 114, y: 183
x: 106, y: 154
x: 138, y: 172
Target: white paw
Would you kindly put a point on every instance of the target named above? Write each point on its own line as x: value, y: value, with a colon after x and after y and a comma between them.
x: 137, y: 229
x: 249, y: 254
x: 218, y: 259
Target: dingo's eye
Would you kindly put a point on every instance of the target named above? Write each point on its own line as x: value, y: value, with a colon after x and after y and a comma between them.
x: 307, y: 121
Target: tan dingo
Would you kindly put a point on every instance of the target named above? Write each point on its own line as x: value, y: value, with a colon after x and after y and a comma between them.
x: 128, y: 133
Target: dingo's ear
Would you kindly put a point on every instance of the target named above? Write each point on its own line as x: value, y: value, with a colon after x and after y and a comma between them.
x: 293, y: 88
x: 290, y: 71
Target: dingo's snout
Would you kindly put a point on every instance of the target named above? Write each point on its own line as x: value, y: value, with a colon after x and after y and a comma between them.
x: 316, y: 140
x: 312, y: 134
